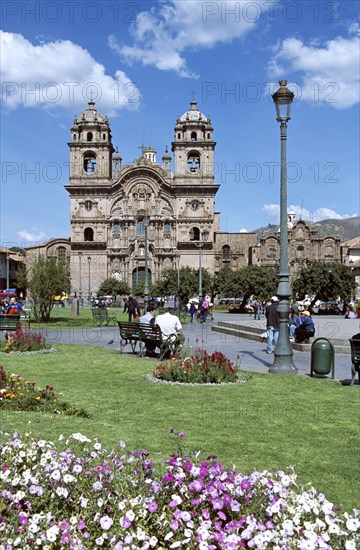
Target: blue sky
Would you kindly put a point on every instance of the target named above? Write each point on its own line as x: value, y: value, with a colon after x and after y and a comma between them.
x: 143, y: 61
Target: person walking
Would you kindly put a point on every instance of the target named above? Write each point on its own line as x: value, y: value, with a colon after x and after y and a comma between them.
x: 192, y: 311
x: 132, y: 307
x: 257, y: 309
x: 272, y: 324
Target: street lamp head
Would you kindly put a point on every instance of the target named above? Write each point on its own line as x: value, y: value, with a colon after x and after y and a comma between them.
x: 283, y: 99
x: 205, y: 235
x: 89, y: 259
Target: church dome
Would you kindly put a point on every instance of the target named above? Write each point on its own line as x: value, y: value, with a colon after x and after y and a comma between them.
x: 91, y: 115
x: 193, y: 114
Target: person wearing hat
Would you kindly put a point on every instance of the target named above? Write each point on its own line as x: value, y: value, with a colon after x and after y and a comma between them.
x: 272, y: 324
x: 306, y: 328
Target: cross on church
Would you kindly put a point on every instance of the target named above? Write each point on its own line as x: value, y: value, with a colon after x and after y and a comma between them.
x: 193, y: 95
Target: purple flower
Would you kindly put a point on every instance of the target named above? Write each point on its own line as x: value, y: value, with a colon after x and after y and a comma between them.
x: 97, y: 486
x: 125, y: 522
x: 181, y: 435
x: 106, y: 523
x: 168, y: 477
x: 196, y: 485
x: 81, y: 525
x: 152, y: 506
x: 185, y: 516
x: 23, y: 519
x: 174, y: 524
x: 245, y: 484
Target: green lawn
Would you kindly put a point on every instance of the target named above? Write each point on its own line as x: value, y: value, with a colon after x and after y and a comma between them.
x: 61, y: 318
x: 270, y: 422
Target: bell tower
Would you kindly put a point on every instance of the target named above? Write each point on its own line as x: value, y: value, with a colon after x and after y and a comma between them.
x: 91, y: 149
x: 193, y: 148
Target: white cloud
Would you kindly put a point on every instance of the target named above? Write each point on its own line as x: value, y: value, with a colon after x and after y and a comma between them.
x: 330, y: 72
x: 272, y: 213
x: 243, y: 231
x: 31, y: 237
x: 59, y: 73
x: 164, y: 33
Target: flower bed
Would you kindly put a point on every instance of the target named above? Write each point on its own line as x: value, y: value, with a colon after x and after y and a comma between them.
x: 200, y: 368
x: 81, y: 496
x: 23, y: 341
x: 16, y: 393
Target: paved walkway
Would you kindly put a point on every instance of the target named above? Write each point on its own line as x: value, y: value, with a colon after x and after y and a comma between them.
x: 251, y: 354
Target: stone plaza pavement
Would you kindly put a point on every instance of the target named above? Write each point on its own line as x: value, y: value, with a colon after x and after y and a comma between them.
x: 251, y: 354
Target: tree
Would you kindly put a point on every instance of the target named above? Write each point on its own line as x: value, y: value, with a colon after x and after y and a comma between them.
x: 189, y: 283
x: 247, y: 281
x: 325, y: 282
x: 46, y: 278
x: 113, y: 287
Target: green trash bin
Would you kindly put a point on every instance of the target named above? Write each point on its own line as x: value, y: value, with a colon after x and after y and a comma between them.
x: 322, y: 357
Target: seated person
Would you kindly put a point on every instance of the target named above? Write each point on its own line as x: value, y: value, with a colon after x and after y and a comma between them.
x: 306, y: 328
x: 294, y: 322
x: 14, y: 307
x: 170, y: 325
x: 149, y: 319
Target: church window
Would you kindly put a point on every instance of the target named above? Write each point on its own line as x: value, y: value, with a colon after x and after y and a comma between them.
x: 193, y: 162
x: 271, y: 253
x: 88, y: 234
x: 61, y: 253
x: 89, y: 136
x: 226, y: 252
x: 140, y: 228
x: 116, y: 226
x: 208, y: 136
x: 104, y: 136
x: 179, y: 135
x: 167, y: 228
x: 300, y: 252
x: 74, y: 137
x: 90, y: 163
x: 193, y: 136
x: 195, y: 234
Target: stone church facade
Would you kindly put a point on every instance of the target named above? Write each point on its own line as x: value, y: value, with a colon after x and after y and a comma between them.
x: 110, y: 204
x: 113, y: 206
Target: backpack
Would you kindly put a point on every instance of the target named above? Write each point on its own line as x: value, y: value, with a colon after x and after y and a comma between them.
x: 13, y: 311
x: 205, y: 304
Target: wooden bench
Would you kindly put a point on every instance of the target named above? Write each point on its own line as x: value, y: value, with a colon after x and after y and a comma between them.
x: 101, y: 316
x: 153, y: 335
x: 129, y: 334
x: 355, y: 358
x: 9, y: 323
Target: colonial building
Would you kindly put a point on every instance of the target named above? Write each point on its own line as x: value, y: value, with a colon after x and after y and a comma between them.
x: 10, y: 263
x: 116, y: 209
x: 350, y: 251
x: 113, y: 206
x: 305, y: 245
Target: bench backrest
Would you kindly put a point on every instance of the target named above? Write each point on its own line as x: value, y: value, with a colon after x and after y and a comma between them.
x: 100, y: 313
x: 128, y: 330
x: 9, y: 322
x: 150, y: 332
x: 355, y: 350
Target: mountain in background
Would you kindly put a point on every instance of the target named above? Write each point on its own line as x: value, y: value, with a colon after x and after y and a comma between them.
x: 346, y: 229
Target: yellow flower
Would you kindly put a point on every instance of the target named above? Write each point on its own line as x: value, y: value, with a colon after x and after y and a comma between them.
x: 37, y: 398
x: 21, y: 394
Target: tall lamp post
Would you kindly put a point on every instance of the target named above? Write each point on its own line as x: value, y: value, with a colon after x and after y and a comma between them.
x: 200, y: 245
x: 89, y: 280
x: 7, y: 270
x: 283, y: 362
x: 146, y: 222
x: 80, y: 275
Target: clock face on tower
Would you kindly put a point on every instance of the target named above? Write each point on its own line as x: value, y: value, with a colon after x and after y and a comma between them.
x: 195, y: 205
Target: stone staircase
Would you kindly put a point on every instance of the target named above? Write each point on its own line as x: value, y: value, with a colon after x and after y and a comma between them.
x: 251, y: 331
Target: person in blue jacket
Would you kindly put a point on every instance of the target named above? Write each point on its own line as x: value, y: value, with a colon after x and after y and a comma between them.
x: 306, y: 328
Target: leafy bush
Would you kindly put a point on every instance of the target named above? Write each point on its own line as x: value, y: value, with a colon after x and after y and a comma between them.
x: 23, y: 341
x: 200, y: 368
x: 86, y: 497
